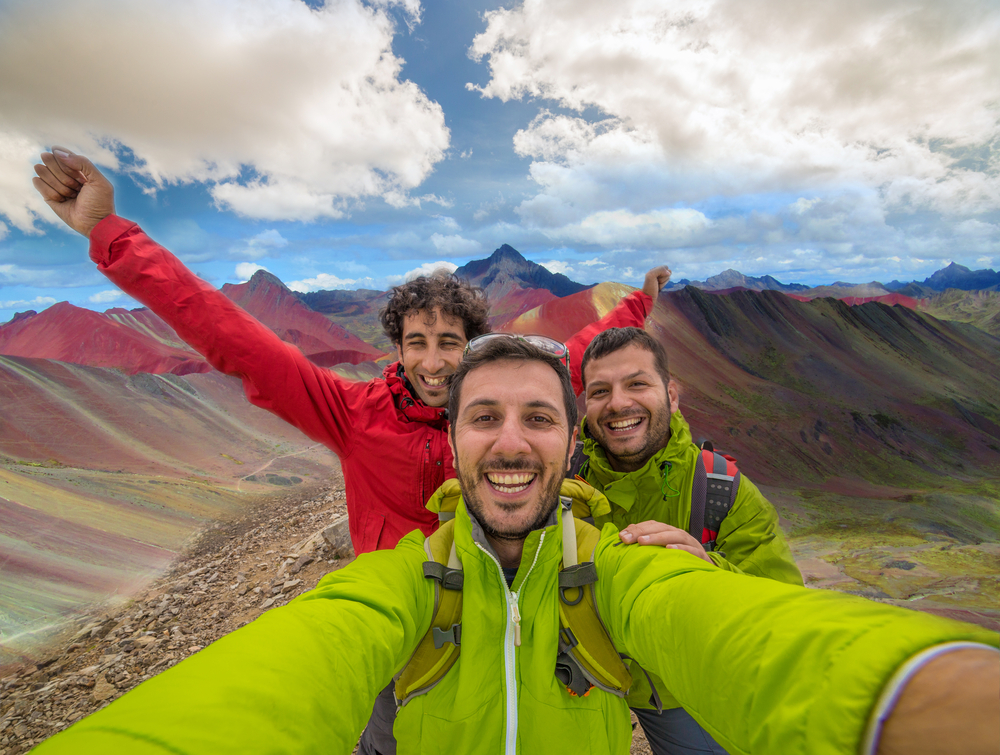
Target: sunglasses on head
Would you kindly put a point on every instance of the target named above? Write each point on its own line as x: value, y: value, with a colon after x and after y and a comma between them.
x: 546, y: 344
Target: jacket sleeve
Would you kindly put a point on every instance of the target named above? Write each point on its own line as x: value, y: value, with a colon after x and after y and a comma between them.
x: 276, y: 376
x: 763, y: 666
x: 752, y: 541
x: 301, y: 678
x: 631, y: 311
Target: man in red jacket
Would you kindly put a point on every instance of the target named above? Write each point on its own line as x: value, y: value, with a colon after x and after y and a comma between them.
x: 390, y: 434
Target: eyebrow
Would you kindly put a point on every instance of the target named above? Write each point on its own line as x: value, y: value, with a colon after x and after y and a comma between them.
x: 446, y: 334
x: 631, y: 375
x: 491, y: 403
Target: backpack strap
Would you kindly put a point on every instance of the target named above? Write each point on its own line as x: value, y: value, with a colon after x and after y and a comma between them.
x: 438, y: 650
x: 713, y: 493
x: 577, y: 462
x: 586, y: 656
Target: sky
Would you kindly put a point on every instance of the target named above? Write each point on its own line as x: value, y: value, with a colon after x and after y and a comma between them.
x: 354, y: 143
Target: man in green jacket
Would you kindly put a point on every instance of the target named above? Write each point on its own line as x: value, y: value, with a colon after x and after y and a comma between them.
x: 765, y: 667
x: 641, y: 456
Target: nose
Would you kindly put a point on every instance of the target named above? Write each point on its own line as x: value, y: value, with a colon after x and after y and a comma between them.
x: 511, y: 440
x: 433, y: 361
x: 619, y: 400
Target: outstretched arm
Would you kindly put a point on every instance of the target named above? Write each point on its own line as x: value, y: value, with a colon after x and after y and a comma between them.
x: 276, y: 376
x: 631, y: 311
x: 300, y: 679
x: 770, y: 667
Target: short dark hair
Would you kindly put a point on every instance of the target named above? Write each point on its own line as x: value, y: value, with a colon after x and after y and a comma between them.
x: 512, y: 350
x: 455, y: 297
x: 614, y: 339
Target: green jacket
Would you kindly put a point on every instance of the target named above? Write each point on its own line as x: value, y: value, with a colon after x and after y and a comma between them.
x: 303, y: 678
x: 749, y: 541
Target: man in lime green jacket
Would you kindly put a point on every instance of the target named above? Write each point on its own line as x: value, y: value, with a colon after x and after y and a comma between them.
x: 788, y: 670
x: 641, y: 456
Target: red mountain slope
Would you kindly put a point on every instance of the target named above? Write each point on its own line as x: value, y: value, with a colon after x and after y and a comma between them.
x: 138, y: 341
x: 324, y: 342
x: 72, y: 334
x: 561, y: 318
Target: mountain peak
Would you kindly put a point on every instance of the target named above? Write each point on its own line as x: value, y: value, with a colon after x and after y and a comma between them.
x: 507, y: 269
x: 264, y: 278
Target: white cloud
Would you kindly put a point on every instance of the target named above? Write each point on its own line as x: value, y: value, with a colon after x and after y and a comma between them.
x: 428, y: 268
x: 557, y: 266
x: 455, y: 245
x: 264, y: 244
x: 322, y: 282
x: 985, y: 261
x: 104, y: 297
x: 3, y: 231
x: 285, y: 111
x: 720, y: 97
x: 39, y: 302
x: 245, y: 270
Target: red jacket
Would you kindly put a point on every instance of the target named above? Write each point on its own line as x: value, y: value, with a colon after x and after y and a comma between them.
x: 393, y: 448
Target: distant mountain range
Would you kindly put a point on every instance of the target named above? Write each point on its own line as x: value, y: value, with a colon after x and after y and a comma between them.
x: 342, y: 327
x: 734, y: 279
x: 954, y: 276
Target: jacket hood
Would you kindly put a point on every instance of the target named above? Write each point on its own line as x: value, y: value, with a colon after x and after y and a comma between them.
x: 406, y: 402
x: 622, y: 488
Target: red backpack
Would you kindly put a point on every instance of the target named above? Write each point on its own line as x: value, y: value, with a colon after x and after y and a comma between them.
x: 713, y: 492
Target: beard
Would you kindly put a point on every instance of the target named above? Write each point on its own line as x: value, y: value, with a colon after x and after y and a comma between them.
x: 639, y: 450
x: 535, y: 514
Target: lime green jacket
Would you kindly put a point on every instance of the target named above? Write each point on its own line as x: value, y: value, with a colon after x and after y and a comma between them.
x: 749, y: 541
x: 303, y: 678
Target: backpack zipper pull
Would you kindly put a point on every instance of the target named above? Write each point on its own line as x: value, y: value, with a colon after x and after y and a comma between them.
x: 515, y: 616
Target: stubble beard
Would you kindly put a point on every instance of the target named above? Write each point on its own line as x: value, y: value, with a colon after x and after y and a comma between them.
x: 657, y: 436
x: 544, y: 506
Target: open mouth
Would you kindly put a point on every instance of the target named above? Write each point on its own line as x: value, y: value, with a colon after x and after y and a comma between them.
x: 510, y: 483
x: 434, y: 382
x: 624, y: 425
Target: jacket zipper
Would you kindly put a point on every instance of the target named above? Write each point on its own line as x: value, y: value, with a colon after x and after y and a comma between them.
x: 512, y: 639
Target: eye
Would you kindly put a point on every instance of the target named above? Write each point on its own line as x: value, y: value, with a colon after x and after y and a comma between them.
x: 539, y: 419
x: 598, y: 392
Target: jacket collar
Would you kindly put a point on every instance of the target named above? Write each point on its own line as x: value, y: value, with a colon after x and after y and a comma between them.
x: 622, y: 488
x: 407, y: 403
x: 448, y: 498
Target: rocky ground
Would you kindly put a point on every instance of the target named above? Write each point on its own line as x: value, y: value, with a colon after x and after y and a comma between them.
x: 230, y: 575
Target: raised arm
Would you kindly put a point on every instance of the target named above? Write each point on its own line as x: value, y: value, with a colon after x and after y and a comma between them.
x: 769, y: 667
x: 276, y: 376
x: 631, y: 311
x: 301, y: 678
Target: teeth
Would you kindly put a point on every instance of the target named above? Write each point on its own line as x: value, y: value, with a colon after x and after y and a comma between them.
x: 435, y: 381
x: 510, y: 483
x: 625, y: 424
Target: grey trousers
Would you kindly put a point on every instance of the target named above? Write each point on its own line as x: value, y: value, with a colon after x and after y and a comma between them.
x: 377, y: 737
x: 675, y: 732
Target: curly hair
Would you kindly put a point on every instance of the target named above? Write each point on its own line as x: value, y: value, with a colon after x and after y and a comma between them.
x: 455, y: 297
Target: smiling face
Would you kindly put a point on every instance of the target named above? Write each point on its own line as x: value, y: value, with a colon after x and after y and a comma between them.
x: 430, y: 351
x: 628, y: 407
x: 511, y: 446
